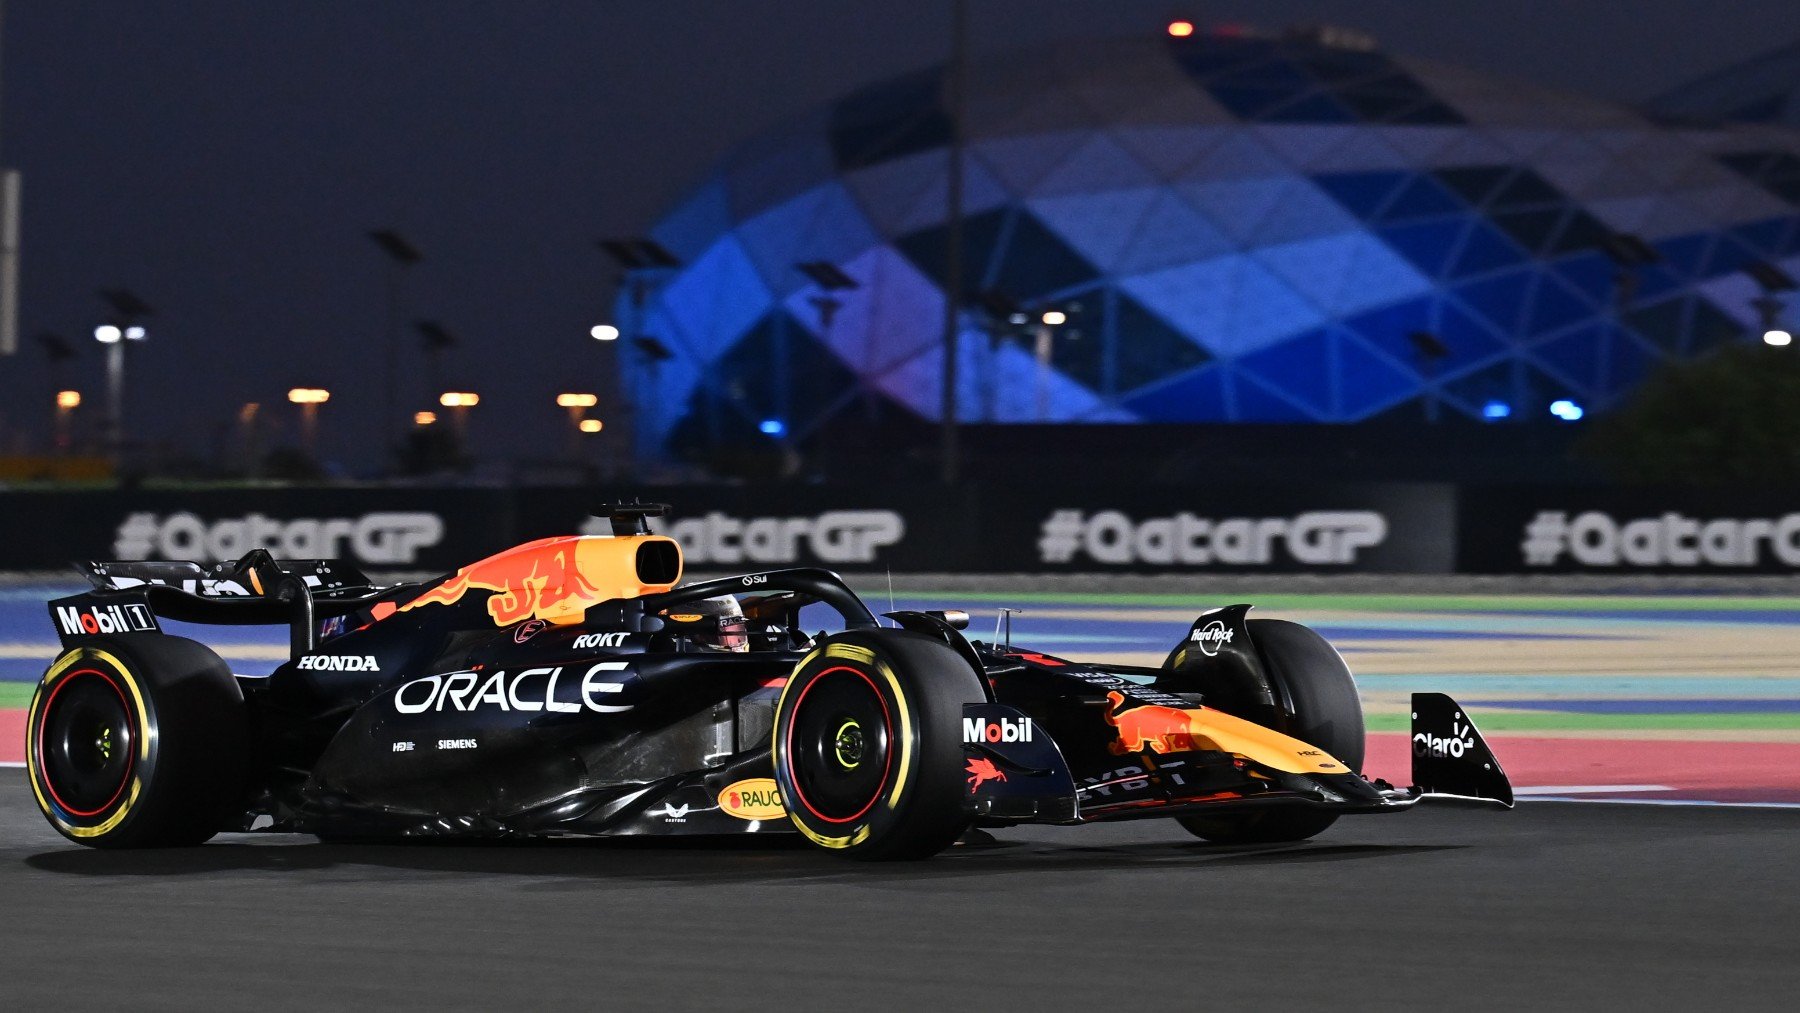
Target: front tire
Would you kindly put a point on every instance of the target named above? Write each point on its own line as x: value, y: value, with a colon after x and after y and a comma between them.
x: 1325, y: 712
x: 138, y: 742
x: 868, y: 748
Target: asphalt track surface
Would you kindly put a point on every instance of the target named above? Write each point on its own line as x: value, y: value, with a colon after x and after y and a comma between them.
x: 1553, y: 905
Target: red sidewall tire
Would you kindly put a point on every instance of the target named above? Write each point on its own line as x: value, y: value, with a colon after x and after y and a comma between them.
x: 164, y: 716
x: 867, y: 747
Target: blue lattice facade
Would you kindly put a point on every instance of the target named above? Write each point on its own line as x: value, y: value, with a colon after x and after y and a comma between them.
x: 1246, y: 230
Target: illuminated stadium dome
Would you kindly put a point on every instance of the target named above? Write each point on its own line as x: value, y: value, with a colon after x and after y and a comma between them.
x: 1242, y: 229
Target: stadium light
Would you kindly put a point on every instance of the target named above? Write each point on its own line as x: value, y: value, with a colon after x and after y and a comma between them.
x: 1566, y: 410
x: 401, y: 255
x: 1777, y: 337
x: 459, y: 399
x: 576, y: 404
x: 66, y: 403
x: 604, y: 332
x: 309, y: 399
x: 424, y: 418
x: 1181, y: 29
x: 125, y: 307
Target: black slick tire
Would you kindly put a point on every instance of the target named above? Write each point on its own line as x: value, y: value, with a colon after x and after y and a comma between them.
x: 138, y: 741
x: 1324, y: 711
x: 868, y: 748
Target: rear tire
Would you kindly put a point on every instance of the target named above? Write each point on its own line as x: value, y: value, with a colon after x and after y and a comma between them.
x: 138, y: 742
x: 868, y: 745
x: 1326, y: 713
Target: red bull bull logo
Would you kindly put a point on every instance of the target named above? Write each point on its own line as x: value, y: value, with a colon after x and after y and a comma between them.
x: 553, y: 579
x: 1158, y: 729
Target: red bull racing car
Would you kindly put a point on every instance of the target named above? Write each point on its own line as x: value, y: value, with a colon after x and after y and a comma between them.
x: 575, y: 687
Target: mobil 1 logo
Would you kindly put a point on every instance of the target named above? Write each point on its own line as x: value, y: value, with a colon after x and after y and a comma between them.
x: 99, y: 620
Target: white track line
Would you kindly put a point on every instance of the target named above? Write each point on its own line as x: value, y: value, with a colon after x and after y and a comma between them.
x: 1664, y: 801
x: 1586, y: 789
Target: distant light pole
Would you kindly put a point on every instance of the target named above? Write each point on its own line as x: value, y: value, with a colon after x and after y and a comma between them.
x: 309, y: 399
x: 1769, y: 306
x: 1431, y: 352
x: 116, y: 339
x: 459, y: 402
x: 401, y: 255
x: 645, y: 265
x: 122, y: 330
x: 956, y: 108
x: 247, y: 434
x: 436, y: 341
x: 576, y: 405
x: 66, y: 403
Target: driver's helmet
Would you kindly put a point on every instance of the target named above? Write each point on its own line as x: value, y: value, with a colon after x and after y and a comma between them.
x: 721, y: 626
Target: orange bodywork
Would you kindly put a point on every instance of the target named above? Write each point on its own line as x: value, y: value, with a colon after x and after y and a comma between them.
x: 1159, y: 729
x: 553, y: 579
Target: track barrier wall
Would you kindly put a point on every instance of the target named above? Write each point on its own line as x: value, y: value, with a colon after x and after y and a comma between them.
x: 1320, y: 528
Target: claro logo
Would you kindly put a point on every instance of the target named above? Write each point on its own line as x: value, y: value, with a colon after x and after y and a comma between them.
x: 1315, y: 538
x: 835, y: 536
x: 380, y: 538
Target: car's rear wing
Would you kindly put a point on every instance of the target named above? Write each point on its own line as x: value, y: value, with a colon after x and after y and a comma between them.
x: 257, y: 590
x: 322, y: 577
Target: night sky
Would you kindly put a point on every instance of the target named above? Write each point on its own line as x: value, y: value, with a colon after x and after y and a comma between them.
x: 224, y: 159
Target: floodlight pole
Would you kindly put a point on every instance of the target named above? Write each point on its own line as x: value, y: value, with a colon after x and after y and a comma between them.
x: 956, y: 100
x: 115, y: 398
x: 390, y: 373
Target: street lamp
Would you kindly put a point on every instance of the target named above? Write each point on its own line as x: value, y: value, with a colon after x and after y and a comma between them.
x: 401, y: 255
x: 436, y: 340
x: 116, y: 339
x: 1045, y: 338
x: 590, y: 426
x: 576, y: 405
x: 604, y: 332
x: 424, y: 418
x: 66, y: 403
x: 309, y: 399
x: 459, y: 402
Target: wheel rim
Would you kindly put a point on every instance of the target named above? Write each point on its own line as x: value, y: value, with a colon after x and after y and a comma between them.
x: 86, y: 738
x: 839, y: 744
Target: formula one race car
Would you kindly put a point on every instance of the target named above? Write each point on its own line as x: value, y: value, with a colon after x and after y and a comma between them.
x: 571, y: 686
